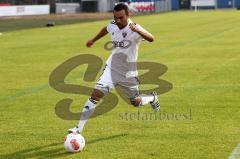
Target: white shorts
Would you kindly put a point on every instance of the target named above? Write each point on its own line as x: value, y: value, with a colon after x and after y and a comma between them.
x: 110, y: 79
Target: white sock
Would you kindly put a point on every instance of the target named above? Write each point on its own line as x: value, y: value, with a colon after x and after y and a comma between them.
x: 86, y: 113
x: 145, y: 99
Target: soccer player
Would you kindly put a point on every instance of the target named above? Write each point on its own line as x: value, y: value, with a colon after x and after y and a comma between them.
x: 120, y: 69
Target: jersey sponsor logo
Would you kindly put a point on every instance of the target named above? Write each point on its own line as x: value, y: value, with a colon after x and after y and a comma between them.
x: 110, y: 45
x: 122, y: 44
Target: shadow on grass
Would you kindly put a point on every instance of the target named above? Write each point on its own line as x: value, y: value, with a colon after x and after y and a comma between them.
x: 54, y: 150
x: 8, y: 25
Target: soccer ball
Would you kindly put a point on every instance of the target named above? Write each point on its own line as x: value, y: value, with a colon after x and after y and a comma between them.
x: 74, y: 142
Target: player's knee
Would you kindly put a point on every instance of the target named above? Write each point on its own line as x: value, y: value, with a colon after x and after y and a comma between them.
x: 97, y: 95
x: 136, y: 101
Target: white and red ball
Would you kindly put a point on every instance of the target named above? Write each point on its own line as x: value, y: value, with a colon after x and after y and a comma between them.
x: 74, y: 142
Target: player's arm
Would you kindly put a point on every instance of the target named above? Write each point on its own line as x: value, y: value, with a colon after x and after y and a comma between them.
x: 144, y: 34
x: 101, y: 34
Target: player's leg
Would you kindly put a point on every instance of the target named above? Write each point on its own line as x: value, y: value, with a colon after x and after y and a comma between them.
x: 132, y: 91
x: 103, y: 86
x: 88, y: 110
x: 143, y: 99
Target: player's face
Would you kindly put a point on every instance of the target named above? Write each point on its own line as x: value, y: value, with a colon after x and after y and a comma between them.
x: 121, y: 18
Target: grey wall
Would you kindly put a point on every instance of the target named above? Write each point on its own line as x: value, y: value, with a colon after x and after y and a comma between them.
x: 106, y: 5
x: 163, y: 5
x: 67, y: 7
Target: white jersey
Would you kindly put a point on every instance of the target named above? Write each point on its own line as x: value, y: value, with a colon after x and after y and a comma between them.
x: 123, y: 58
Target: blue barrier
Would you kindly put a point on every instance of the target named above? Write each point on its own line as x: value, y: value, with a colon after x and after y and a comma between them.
x: 225, y: 3
x: 175, y: 4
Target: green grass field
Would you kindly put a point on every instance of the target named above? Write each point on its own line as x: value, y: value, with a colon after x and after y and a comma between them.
x: 202, y: 53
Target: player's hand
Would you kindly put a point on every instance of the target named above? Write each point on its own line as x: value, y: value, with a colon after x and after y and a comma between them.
x: 134, y: 27
x: 90, y: 43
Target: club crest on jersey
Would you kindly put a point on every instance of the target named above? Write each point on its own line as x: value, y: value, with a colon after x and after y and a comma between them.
x: 124, y: 34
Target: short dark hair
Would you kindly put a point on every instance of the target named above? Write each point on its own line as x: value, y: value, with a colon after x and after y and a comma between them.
x: 121, y: 6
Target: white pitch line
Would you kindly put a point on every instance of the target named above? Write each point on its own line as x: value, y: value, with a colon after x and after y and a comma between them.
x: 236, y: 153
